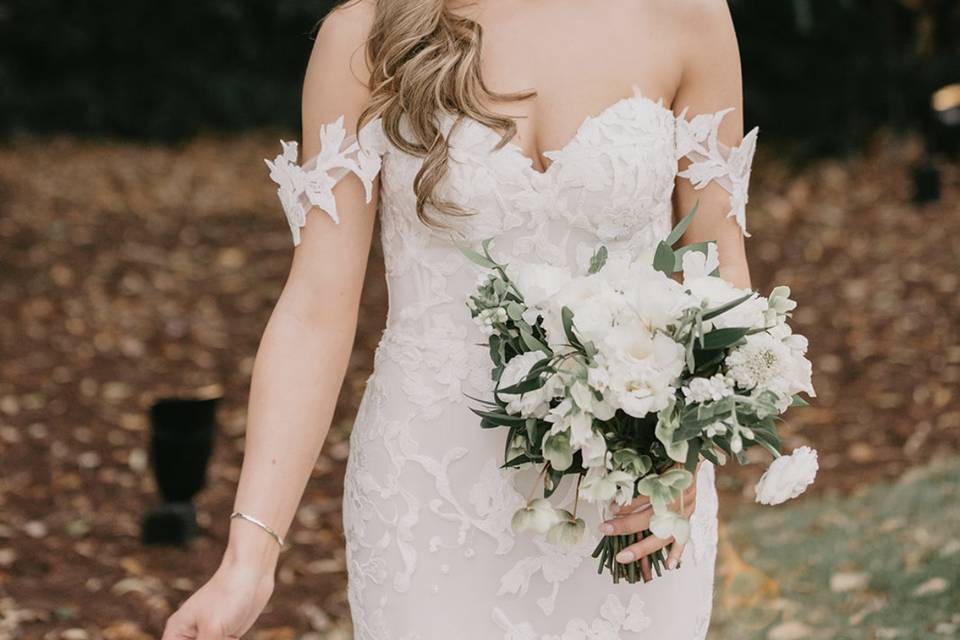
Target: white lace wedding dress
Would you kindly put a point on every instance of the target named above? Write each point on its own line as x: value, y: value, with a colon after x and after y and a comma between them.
x: 427, y: 509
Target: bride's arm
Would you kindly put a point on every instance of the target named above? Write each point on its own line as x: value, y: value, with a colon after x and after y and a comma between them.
x: 712, y: 83
x: 302, y: 357
x: 303, y: 354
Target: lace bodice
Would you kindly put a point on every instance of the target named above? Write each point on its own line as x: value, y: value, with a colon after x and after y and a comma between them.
x: 426, y: 506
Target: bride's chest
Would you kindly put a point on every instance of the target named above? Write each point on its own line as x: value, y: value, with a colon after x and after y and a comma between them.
x: 613, y: 180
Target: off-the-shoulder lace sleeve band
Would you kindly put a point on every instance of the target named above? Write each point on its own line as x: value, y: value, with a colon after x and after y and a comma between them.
x: 713, y: 161
x: 311, y: 185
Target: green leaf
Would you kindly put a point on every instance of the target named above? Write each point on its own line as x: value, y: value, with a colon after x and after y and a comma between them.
x: 724, y: 338
x: 515, y: 311
x: 475, y: 257
x: 499, y: 419
x: 598, y: 260
x: 713, y: 313
x: 682, y: 226
x: 566, y: 315
x: 532, y: 343
x: 693, y: 456
x: 799, y: 402
x: 664, y: 259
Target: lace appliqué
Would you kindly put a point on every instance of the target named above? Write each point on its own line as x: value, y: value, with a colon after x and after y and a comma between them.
x: 713, y: 161
x: 615, y: 619
x: 311, y: 185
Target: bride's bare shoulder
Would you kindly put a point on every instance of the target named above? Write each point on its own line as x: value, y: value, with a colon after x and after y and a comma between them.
x: 337, y: 76
x: 697, y: 18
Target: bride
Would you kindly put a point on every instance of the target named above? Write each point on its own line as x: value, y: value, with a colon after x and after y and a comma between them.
x: 550, y: 126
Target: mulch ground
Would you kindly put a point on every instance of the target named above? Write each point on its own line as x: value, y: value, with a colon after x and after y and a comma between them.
x: 129, y: 272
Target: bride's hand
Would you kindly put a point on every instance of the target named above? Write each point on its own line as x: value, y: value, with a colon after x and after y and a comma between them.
x: 225, y: 607
x: 634, y: 517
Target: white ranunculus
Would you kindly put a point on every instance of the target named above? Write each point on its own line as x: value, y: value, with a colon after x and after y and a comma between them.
x: 643, y: 368
x: 788, y: 476
x: 537, y: 281
x: 538, y: 516
x: 532, y: 403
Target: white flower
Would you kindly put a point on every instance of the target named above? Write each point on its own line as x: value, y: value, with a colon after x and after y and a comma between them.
x: 766, y: 363
x: 599, y: 485
x: 567, y: 533
x: 698, y: 265
x: 643, y: 368
x: 669, y: 524
x: 594, y: 451
x: 710, y: 389
x: 537, y: 282
x: 715, y: 291
x: 532, y: 403
x: 788, y: 476
x: 538, y: 516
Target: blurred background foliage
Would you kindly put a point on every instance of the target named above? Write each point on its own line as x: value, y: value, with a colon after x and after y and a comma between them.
x: 825, y: 73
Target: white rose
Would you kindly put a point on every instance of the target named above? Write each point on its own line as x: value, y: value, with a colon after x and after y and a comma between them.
x: 788, y: 476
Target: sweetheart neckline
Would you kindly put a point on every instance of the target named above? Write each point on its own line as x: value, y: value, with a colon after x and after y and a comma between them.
x: 554, y: 154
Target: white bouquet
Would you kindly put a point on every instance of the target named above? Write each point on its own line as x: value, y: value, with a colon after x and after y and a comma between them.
x: 626, y: 376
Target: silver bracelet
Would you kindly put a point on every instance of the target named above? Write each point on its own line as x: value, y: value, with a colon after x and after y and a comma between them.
x: 276, y: 536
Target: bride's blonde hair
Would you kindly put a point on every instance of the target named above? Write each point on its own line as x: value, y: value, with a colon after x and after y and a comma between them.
x: 425, y: 62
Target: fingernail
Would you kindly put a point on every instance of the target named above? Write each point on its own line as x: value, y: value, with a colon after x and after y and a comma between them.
x: 625, y: 557
x: 671, y: 563
x: 606, y: 528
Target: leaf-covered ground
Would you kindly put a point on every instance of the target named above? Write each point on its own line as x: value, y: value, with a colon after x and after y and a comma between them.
x: 130, y: 271
x: 881, y: 564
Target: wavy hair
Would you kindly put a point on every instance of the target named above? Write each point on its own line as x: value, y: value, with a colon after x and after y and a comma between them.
x: 424, y: 63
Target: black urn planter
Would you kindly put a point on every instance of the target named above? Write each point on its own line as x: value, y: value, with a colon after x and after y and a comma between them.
x: 182, y: 434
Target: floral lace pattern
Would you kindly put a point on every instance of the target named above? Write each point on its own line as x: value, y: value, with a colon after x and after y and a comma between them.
x: 311, y: 185
x: 427, y: 509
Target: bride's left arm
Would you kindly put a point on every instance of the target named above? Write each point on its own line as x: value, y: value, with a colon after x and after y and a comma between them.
x: 709, y: 101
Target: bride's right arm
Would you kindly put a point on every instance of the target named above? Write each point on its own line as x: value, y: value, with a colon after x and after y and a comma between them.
x: 303, y: 354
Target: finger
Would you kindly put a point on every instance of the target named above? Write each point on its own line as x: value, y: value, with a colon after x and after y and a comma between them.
x: 673, y: 558
x: 637, y: 504
x: 643, y: 548
x: 631, y: 523
x: 645, y: 569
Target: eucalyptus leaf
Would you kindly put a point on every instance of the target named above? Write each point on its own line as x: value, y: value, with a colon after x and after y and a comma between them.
x: 723, y: 338
x: 664, y: 259
x: 598, y: 260
x: 716, y: 311
x: 475, y: 257
x: 682, y: 226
